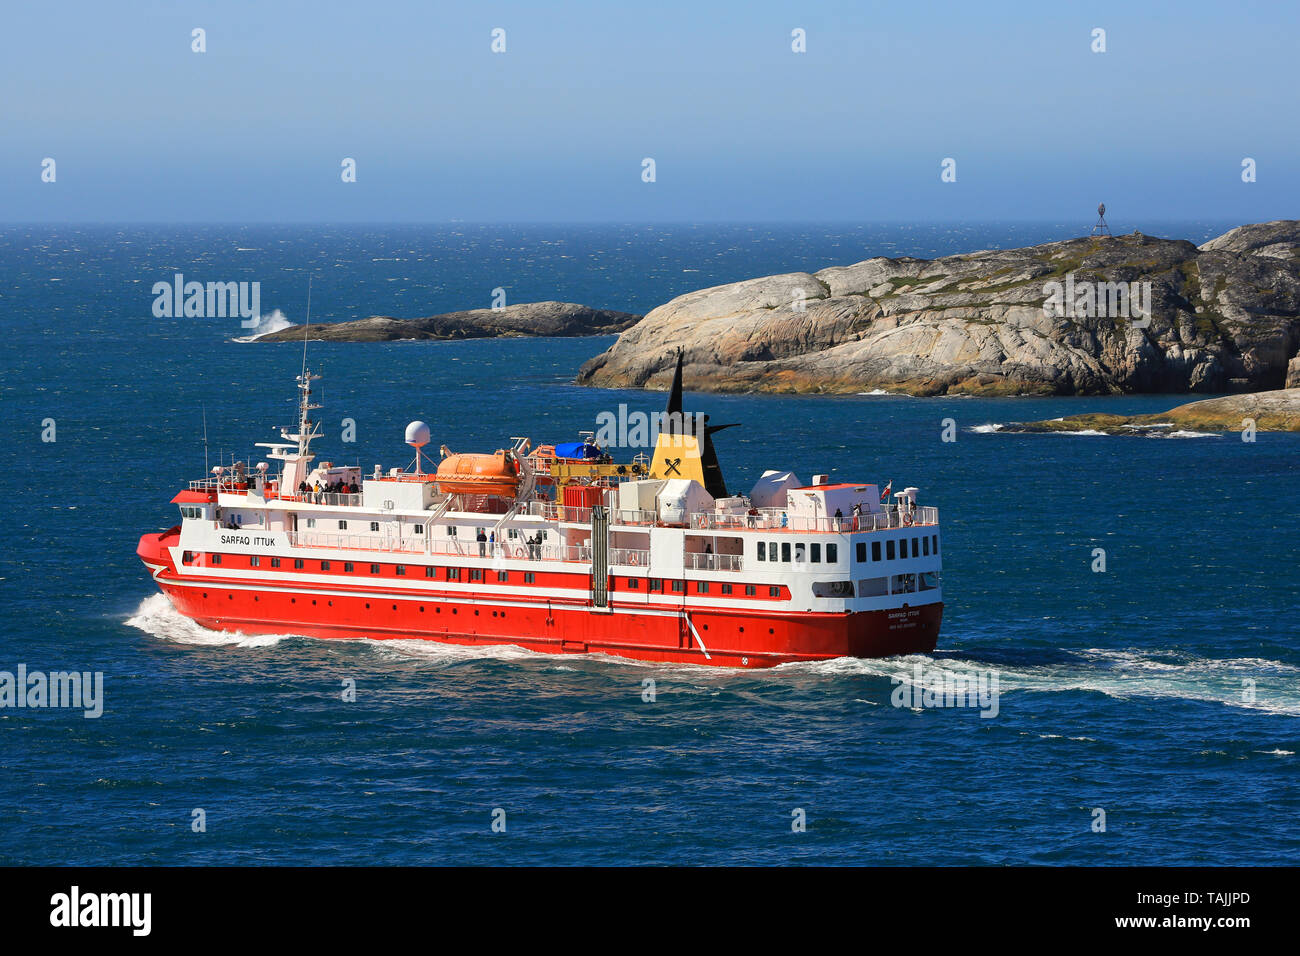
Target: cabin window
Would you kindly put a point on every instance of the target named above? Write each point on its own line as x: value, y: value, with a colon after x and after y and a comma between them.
x: 902, y: 547
x: 453, y: 574
x: 862, y: 552
x: 374, y: 526
x: 873, y: 587
x: 785, y: 551
x: 187, y: 557
x: 529, y: 577
x: 656, y: 584
x: 773, y: 592
x: 275, y: 562
x: 254, y: 561
x: 875, y: 551
x: 701, y: 587
x: 679, y: 587
x: 451, y: 530
x: 239, y: 518
x: 889, y: 550
x: 814, y: 552
x: 929, y: 580
x: 401, y: 570
x: 934, y: 538
x: 419, y: 529
x: 750, y: 590
x: 476, y: 574
x: 216, y: 559
x: 503, y: 577
x: 916, y: 551
x: 925, y: 546
x: 726, y: 589
x: 343, y: 525
x: 324, y: 565
x: 347, y: 566
x: 799, y: 552
x: 771, y: 550
x: 633, y: 583
x: 311, y: 522
x: 762, y: 551
x: 374, y: 569
x: 430, y: 572
x: 298, y: 564
x: 832, y: 553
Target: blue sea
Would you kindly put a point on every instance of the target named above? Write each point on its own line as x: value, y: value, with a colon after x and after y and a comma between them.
x: 1163, y: 691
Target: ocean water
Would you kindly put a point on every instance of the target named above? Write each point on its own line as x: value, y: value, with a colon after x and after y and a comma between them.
x: 1164, y: 690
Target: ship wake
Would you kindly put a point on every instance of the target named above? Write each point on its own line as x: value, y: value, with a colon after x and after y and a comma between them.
x: 157, y: 618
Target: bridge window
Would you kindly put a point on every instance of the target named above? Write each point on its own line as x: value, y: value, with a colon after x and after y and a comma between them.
x: 785, y: 551
x: 925, y: 546
x: 762, y: 551
x: 902, y: 547
x: 799, y: 552
x: 934, y: 538
x: 374, y: 526
x: 814, y: 552
x: 916, y: 550
x: 889, y: 549
x: 343, y: 525
x: 862, y: 552
x: 832, y: 553
x: 771, y: 550
x: 875, y: 551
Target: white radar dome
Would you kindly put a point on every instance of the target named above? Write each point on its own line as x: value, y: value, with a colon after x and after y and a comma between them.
x: 417, y: 434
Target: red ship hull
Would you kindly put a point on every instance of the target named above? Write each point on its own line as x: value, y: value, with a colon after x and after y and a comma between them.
x: 654, y: 632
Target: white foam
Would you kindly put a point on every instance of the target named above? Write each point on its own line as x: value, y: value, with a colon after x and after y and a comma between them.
x: 156, y: 617
x: 1119, y: 673
x: 986, y: 429
x: 266, y: 324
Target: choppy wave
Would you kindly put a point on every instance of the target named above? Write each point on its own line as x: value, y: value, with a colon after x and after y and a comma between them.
x: 266, y: 324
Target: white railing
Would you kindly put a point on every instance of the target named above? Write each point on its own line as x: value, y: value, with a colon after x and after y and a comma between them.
x: 629, y: 557
x: 697, y: 561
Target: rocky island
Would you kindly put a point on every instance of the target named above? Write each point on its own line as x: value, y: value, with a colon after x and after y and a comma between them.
x: 526, y: 319
x: 1277, y: 411
x: 1088, y: 316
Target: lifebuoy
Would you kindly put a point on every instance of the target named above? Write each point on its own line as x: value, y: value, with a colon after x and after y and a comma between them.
x: 907, y: 520
x: 633, y: 560
x: 519, y: 551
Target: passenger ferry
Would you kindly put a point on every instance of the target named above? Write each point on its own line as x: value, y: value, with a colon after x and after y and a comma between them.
x: 555, y: 548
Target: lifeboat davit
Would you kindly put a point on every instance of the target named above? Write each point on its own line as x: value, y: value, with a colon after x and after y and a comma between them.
x: 478, y: 475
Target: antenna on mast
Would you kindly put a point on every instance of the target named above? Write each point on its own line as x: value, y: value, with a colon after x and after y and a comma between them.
x: 205, y: 439
x: 305, y: 327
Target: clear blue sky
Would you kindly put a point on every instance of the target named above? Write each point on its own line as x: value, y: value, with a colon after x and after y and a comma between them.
x: 555, y: 129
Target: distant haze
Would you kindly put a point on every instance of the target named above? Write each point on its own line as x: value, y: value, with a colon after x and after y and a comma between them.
x: 556, y: 128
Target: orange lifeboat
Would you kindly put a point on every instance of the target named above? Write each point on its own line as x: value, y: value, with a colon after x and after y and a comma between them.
x: 478, y: 475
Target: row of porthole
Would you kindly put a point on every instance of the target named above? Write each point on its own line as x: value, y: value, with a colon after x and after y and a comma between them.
x: 436, y: 610
x: 770, y: 630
